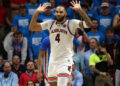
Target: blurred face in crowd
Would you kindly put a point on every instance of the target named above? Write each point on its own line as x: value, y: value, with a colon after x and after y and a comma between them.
x: 52, y: 3
x: 16, y: 60
x: 93, y: 43
x: 30, y: 66
x: 7, y: 67
x: 60, y: 13
x: 33, y: 1
x: 1, y: 59
x: 109, y: 34
x: 22, y: 11
x: 30, y: 83
x: 94, y: 24
x: 14, y: 29
x: 18, y: 37
x: 105, y: 9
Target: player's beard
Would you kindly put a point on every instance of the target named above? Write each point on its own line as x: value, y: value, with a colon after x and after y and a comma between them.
x: 60, y: 19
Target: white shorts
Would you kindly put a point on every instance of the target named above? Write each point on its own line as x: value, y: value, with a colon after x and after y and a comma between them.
x: 58, y: 70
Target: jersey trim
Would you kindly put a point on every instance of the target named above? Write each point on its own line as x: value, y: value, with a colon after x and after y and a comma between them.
x: 69, y: 29
x: 52, y: 24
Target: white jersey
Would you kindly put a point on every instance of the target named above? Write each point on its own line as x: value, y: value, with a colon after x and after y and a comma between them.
x: 61, y: 39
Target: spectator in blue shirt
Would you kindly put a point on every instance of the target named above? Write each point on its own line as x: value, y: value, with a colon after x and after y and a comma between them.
x: 21, y: 21
x: 8, y: 78
x: 78, y: 76
x: 105, y: 19
x: 88, y: 74
x: 94, y: 31
x: 35, y: 43
x: 31, y: 7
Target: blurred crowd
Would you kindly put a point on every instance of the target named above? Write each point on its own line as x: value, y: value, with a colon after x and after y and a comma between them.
x: 20, y: 47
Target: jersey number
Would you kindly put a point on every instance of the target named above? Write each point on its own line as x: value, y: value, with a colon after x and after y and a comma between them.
x: 57, y: 38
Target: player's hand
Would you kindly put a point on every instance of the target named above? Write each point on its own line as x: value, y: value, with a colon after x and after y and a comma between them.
x: 39, y: 76
x: 42, y: 8
x: 75, y: 5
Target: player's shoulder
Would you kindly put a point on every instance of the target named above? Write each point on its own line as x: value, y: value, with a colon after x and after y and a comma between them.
x: 74, y: 21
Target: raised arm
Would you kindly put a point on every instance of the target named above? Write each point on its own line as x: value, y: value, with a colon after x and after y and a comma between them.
x: 34, y: 25
x: 76, y: 6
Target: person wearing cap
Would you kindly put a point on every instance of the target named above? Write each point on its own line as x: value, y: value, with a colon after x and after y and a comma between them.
x: 105, y: 19
x: 31, y: 7
x: 21, y: 21
x: 99, y: 64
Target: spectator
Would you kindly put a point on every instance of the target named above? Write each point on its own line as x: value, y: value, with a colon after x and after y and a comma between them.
x: 1, y: 63
x: 3, y: 15
x: 99, y: 65
x: 116, y: 24
x: 105, y: 19
x: 30, y: 74
x: 78, y: 76
x: 17, y: 67
x: 21, y: 21
x: 88, y: 74
x: 30, y: 83
x: 117, y: 63
x: 16, y: 45
x: 16, y: 3
x: 90, y: 12
x: 79, y: 62
x: 110, y: 41
x: 31, y: 7
x: 94, y: 33
x: 35, y: 43
x: 83, y: 39
x: 8, y: 78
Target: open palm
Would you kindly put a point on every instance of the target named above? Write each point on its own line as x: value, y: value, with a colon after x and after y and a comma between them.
x: 75, y: 5
x: 42, y: 8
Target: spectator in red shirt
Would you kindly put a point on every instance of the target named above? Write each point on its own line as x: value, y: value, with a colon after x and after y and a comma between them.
x: 28, y: 75
x: 3, y: 15
x: 16, y: 3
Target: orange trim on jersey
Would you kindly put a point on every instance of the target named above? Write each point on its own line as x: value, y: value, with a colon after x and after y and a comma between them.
x: 52, y: 78
x: 63, y: 75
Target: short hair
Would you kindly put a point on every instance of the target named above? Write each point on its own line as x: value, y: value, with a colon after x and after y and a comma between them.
x: 95, y: 40
x: 17, y: 33
x: 30, y: 81
x: 110, y: 29
x: 6, y: 62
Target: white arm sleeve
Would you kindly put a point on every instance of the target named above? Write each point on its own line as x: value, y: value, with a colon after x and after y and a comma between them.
x: 46, y: 24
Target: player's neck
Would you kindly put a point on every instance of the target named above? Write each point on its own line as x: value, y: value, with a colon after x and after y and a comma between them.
x: 61, y: 22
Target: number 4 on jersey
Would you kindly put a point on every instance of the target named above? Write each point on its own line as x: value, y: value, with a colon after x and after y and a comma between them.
x: 57, y: 38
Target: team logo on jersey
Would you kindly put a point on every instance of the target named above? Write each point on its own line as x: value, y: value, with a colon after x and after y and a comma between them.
x: 64, y: 25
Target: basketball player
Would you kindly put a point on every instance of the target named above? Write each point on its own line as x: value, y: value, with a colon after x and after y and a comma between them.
x: 61, y: 38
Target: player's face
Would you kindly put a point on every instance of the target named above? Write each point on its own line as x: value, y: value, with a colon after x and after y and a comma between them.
x: 60, y: 14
